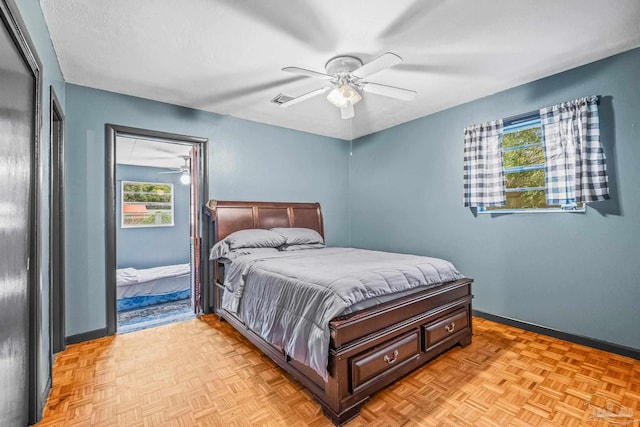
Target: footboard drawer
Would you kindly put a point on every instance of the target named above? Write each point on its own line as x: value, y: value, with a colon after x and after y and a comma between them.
x: 384, y: 358
x: 444, y: 328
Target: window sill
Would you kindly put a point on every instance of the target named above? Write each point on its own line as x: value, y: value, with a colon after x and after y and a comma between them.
x: 529, y: 211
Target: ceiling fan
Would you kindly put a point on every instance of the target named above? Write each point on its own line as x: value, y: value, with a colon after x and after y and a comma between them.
x: 185, y: 171
x: 345, y: 76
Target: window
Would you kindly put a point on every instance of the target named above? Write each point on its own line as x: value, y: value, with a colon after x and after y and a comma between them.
x: 146, y: 204
x: 524, y: 169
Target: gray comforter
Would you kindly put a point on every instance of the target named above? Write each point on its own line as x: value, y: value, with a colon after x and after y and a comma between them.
x: 288, y: 298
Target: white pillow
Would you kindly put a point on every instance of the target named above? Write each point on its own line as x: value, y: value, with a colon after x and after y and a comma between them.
x: 255, y: 238
x: 299, y: 236
x: 250, y: 238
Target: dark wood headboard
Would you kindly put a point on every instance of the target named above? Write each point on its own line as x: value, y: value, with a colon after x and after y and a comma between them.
x: 234, y: 216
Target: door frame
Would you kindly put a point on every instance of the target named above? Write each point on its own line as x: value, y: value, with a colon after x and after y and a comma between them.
x: 9, y: 14
x: 57, y: 280
x: 111, y: 132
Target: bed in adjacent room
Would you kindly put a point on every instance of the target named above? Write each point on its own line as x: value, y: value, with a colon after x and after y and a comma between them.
x: 138, y: 288
x: 345, y: 322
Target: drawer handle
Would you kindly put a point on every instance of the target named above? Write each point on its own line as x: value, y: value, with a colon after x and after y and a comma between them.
x: 450, y: 327
x: 390, y: 360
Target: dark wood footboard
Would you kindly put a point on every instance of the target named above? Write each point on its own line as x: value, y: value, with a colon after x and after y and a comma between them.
x: 372, y: 348
x: 369, y: 349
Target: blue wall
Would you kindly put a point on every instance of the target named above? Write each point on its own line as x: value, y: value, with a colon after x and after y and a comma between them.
x: 247, y: 161
x: 577, y: 273
x: 405, y: 194
x: 146, y: 247
x: 51, y: 76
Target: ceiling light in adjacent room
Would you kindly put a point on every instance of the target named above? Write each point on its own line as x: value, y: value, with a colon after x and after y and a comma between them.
x: 185, y: 178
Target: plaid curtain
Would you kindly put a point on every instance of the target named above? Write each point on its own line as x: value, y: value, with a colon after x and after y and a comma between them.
x: 575, y: 162
x: 484, y: 182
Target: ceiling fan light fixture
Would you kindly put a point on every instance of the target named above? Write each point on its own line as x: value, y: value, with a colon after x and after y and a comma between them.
x: 343, y: 94
x: 345, y: 74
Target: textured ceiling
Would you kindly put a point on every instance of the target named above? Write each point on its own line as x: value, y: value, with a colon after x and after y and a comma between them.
x: 145, y: 152
x: 226, y: 56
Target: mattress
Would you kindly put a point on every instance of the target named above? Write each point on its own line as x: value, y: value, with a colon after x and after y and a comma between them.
x: 137, y: 288
x: 288, y: 298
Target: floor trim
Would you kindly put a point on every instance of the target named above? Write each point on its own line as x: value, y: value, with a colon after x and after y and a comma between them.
x: 86, y: 336
x: 578, y: 339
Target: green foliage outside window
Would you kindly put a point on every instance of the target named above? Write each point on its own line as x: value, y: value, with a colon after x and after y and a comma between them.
x: 146, y: 192
x: 523, y: 161
x: 151, y: 220
x: 530, y: 155
x: 147, y: 204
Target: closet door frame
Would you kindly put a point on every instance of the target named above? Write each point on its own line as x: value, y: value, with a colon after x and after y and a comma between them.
x: 57, y: 280
x: 12, y: 20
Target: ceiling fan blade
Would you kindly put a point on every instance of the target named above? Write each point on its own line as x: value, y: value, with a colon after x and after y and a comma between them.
x: 313, y: 30
x: 390, y: 91
x: 308, y: 73
x: 347, y: 112
x: 305, y: 96
x: 412, y: 20
x: 383, y: 61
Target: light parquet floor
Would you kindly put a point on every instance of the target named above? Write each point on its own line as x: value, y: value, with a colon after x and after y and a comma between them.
x: 203, y: 373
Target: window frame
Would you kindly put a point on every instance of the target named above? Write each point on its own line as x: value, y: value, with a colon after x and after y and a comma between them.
x: 520, y: 123
x: 122, y: 204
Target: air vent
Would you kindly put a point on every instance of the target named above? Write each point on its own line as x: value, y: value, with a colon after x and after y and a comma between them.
x: 280, y: 99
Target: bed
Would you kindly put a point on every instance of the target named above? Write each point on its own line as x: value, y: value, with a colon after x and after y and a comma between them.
x: 138, y: 288
x: 369, y: 347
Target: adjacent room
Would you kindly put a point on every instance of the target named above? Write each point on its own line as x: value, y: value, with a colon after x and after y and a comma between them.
x: 153, y: 233
x: 234, y: 213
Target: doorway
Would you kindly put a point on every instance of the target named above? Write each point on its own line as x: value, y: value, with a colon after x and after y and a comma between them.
x: 157, y: 188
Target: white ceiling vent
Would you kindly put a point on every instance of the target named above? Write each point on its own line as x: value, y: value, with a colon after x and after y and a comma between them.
x: 280, y: 99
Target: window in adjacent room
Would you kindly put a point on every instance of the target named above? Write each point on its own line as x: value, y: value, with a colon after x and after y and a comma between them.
x: 146, y: 204
x: 524, y: 169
